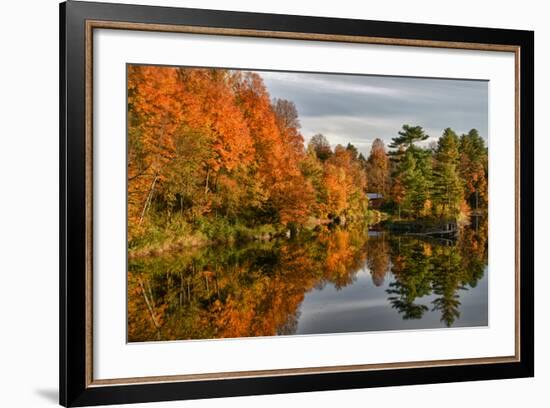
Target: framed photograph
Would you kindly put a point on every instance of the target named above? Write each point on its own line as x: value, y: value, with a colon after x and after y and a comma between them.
x: 256, y: 204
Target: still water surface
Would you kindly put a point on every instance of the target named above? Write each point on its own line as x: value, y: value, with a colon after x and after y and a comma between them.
x: 337, y: 281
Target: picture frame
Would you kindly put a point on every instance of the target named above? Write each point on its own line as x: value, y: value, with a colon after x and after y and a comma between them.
x: 78, y: 23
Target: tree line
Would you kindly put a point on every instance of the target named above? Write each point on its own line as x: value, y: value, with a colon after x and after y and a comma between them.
x: 447, y: 179
x: 209, y: 148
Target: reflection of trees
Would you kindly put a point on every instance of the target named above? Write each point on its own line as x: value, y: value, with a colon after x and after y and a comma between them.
x: 256, y: 290
x: 473, y: 247
x: 424, y: 267
x: 236, y: 292
x: 342, y: 255
x: 413, y: 275
x: 378, y: 258
x: 290, y: 326
x: 449, y: 277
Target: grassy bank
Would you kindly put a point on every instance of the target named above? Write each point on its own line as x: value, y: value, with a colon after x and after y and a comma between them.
x: 176, y: 234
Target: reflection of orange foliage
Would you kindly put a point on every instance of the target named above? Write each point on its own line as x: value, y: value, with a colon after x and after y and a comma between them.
x: 398, y: 263
x: 339, y: 255
x: 465, y: 209
x: 378, y: 259
x: 154, y: 313
x: 427, y: 249
x: 239, y: 300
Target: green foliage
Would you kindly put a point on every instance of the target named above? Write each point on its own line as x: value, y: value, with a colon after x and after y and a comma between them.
x: 445, y: 181
x: 415, y: 172
x: 408, y: 136
x: 353, y: 151
x: 448, y: 188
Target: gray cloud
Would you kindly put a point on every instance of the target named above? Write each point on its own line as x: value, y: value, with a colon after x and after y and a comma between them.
x: 360, y: 108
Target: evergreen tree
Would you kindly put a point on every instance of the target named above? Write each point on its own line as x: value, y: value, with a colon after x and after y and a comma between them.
x: 411, y: 173
x: 408, y: 136
x: 447, y: 187
x: 416, y: 175
x: 353, y: 151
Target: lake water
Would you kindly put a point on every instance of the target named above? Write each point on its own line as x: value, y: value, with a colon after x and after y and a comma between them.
x: 341, y: 280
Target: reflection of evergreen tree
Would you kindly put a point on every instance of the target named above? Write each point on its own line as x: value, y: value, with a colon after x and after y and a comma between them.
x: 402, y: 300
x: 448, y: 278
x: 412, y: 270
x: 449, y: 305
x: 424, y: 267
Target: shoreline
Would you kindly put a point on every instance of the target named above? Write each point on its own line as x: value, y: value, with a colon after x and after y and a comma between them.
x: 430, y: 228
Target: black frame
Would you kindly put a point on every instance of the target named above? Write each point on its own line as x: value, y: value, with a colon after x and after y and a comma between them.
x: 73, y: 390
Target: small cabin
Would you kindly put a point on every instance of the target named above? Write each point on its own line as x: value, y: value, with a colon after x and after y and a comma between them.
x: 375, y: 200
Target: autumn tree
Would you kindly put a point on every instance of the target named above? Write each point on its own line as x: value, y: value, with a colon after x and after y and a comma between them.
x: 321, y: 146
x: 473, y: 167
x: 378, y: 168
x: 314, y: 172
x: 154, y: 111
x: 296, y: 195
x: 346, y: 185
x: 286, y: 114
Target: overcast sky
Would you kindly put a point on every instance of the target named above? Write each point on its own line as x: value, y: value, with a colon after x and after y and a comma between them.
x: 359, y: 108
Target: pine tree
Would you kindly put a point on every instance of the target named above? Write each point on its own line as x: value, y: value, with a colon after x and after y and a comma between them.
x: 416, y: 175
x: 408, y: 136
x: 447, y: 188
x: 411, y: 171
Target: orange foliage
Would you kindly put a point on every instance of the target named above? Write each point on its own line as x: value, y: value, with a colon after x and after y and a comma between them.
x: 210, y: 141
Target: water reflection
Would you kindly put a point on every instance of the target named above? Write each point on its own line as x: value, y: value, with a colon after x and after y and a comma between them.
x: 342, y: 280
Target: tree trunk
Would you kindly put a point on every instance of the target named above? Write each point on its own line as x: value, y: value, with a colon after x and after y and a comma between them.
x: 206, y: 182
x: 149, y: 305
x: 148, y: 200
x: 181, y: 290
